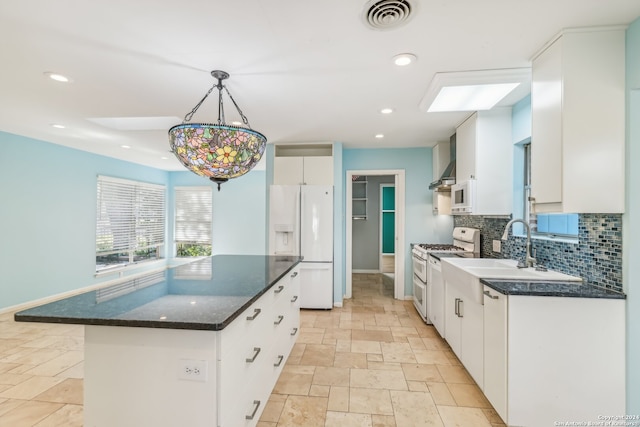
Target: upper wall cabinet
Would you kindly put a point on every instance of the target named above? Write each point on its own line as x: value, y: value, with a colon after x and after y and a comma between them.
x: 310, y: 164
x: 578, y: 122
x: 484, y: 152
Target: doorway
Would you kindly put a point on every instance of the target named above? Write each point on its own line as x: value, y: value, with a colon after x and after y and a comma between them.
x: 354, y: 213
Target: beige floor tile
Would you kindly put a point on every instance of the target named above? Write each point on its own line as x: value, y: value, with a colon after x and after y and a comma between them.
x: 5, y: 367
x: 310, y: 338
x: 416, y: 343
x: 343, y: 346
x: 318, y: 355
x: 319, y: 390
x: 7, y: 405
x: 370, y: 401
x: 58, y: 364
x: 266, y: 424
x: 303, y: 411
x: 67, y: 416
x: 420, y: 372
x: 415, y: 409
x: 397, y: 352
x: 13, y: 379
x: 463, y: 417
x: 468, y: 395
x: 30, y: 388
x: 293, y: 383
x: 404, y: 331
x: 372, y: 335
x: 387, y: 320
x: 379, y: 379
x: 352, y: 324
x: 68, y: 391
x: 29, y: 414
x: 366, y: 347
x: 455, y: 374
x: 345, y: 419
x: 339, y: 399
x: 441, y: 394
x: 76, y: 371
x: 272, y: 411
x: 435, y: 344
x: 388, y: 366
x: 418, y: 386
x: 331, y: 376
x: 338, y: 334
x: 383, y: 421
x: 492, y: 416
x: 349, y: 360
x: 371, y: 357
x: 431, y: 357
x: 33, y: 356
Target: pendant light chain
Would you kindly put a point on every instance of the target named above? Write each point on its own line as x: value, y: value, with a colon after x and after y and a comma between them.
x: 244, y: 118
x: 189, y: 115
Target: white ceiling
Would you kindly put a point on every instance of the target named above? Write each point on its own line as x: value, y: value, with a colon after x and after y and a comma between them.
x: 301, y: 71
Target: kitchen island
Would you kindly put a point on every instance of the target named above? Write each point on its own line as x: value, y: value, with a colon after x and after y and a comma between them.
x: 200, y: 344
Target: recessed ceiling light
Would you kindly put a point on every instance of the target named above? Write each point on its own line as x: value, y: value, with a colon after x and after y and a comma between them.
x: 163, y: 158
x: 125, y: 146
x: 404, y: 59
x: 386, y: 110
x: 379, y: 136
x: 57, y: 77
x: 470, y: 97
x: 57, y: 126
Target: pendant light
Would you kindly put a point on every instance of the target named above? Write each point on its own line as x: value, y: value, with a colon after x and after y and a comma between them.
x: 217, y: 151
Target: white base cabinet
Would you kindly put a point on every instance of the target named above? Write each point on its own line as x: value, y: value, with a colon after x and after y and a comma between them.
x: 554, y: 359
x: 137, y: 371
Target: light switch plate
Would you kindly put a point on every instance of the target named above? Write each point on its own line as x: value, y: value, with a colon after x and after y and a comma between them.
x: 496, y: 246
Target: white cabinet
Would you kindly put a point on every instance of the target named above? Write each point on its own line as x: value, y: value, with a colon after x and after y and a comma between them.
x: 303, y: 164
x: 553, y: 358
x: 484, y: 152
x: 254, y: 349
x: 578, y: 122
x: 464, y: 328
x: 495, y: 350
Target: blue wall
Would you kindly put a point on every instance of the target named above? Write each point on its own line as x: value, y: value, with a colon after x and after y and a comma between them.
x: 420, y: 223
x: 48, y: 214
x: 631, y: 219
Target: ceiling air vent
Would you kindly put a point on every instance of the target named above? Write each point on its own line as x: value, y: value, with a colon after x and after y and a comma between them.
x: 387, y: 14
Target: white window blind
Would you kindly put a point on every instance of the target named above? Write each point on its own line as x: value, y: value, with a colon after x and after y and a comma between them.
x: 194, y: 213
x: 130, y: 216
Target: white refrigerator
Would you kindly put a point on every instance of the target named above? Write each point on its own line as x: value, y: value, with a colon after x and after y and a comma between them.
x: 301, y: 223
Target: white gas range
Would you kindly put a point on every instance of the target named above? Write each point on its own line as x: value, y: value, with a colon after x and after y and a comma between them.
x: 427, y: 278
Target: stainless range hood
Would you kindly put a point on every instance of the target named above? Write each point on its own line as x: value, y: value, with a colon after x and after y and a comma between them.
x: 448, y: 177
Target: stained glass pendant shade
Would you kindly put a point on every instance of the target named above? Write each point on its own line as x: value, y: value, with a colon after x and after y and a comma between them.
x: 217, y: 151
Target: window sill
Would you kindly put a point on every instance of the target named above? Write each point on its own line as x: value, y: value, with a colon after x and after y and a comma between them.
x: 120, y: 271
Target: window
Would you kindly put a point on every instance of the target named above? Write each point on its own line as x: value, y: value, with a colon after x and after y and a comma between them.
x: 193, y: 216
x: 565, y: 225
x: 130, y: 224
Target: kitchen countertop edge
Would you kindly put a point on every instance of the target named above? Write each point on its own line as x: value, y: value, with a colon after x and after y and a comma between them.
x: 551, y: 289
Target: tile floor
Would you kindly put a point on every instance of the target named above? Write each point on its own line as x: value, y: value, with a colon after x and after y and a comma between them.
x: 371, y: 363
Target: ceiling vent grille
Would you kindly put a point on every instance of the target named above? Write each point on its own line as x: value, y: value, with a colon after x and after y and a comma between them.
x: 387, y: 14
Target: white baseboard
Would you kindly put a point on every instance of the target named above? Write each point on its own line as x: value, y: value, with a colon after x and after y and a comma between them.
x: 366, y: 271
x: 51, y: 298
x: 337, y: 304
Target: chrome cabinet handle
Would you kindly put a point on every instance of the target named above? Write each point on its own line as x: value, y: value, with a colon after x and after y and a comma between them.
x: 255, y: 314
x: 280, y: 289
x: 295, y: 273
x: 280, y: 319
x: 253, y: 414
x: 460, y: 307
x: 279, y: 362
x: 457, y: 308
x: 487, y: 293
x: 256, y: 352
x: 295, y: 298
x: 295, y: 331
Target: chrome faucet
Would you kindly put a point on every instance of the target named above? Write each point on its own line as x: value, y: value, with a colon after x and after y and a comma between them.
x: 529, y: 260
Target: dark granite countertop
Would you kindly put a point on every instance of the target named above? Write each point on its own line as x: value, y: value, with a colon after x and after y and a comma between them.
x: 551, y: 289
x: 202, y: 295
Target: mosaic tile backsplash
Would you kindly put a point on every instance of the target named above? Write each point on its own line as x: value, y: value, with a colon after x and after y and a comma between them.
x: 597, y: 257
